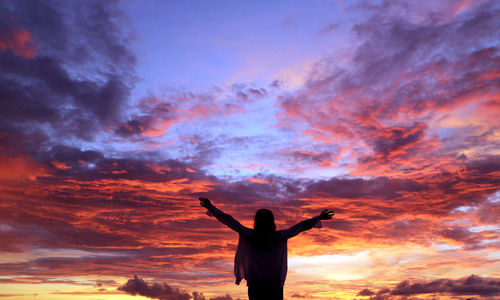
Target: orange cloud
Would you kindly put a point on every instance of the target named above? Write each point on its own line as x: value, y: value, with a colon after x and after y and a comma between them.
x: 20, y: 168
x: 18, y: 41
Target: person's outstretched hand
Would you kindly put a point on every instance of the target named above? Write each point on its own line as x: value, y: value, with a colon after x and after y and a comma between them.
x: 327, y: 214
x: 206, y: 203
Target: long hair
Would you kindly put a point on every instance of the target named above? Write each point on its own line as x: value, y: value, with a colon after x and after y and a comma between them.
x: 264, y: 223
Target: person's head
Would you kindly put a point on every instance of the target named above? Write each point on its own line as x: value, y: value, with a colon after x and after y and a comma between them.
x: 264, y: 221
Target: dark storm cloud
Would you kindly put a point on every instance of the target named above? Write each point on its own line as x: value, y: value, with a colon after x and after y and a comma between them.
x: 468, y: 286
x: 79, y: 77
x: 472, y: 285
x: 162, y: 291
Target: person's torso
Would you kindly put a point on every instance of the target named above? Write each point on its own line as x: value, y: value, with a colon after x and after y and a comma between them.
x: 266, y: 256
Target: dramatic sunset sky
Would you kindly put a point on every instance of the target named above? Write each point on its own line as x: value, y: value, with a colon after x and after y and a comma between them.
x: 115, y: 116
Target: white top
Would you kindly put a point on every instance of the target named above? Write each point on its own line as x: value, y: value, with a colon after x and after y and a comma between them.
x: 261, y: 264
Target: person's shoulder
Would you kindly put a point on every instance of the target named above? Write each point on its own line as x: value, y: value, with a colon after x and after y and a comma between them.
x: 246, y: 232
x: 279, y: 234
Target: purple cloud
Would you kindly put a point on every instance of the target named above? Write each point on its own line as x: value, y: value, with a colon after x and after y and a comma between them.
x: 468, y: 286
x: 76, y: 85
x: 162, y: 291
x: 472, y: 285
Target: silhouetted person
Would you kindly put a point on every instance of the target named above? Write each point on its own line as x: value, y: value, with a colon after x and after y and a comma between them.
x: 261, y: 257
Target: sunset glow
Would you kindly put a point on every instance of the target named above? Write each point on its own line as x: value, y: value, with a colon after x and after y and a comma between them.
x: 115, y: 116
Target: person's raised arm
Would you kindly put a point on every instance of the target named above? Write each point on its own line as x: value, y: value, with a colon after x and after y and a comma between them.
x: 326, y: 214
x: 222, y: 217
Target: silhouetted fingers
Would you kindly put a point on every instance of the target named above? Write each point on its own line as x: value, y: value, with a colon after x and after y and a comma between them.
x: 327, y: 214
x: 204, y: 202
